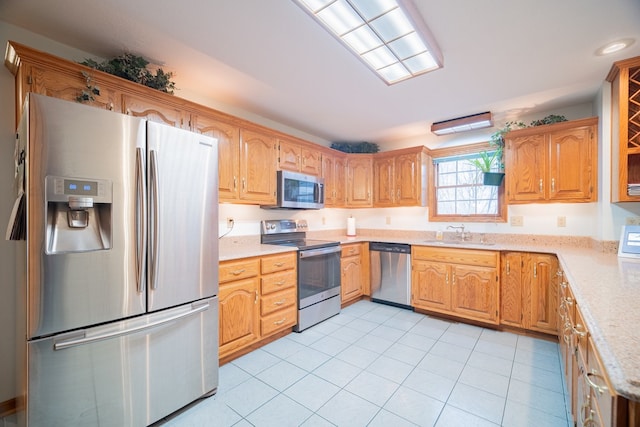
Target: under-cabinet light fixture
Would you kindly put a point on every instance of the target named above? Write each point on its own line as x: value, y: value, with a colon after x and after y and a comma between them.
x: 463, y: 124
x: 389, y: 36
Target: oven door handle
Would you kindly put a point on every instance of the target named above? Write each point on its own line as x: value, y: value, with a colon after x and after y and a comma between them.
x: 321, y: 251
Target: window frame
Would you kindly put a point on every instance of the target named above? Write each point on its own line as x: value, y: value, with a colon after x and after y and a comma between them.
x: 500, y: 216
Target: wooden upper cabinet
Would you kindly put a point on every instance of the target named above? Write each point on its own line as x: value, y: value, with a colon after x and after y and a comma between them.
x: 526, y: 168
x: 72, y: 86
x: 160, y: 112
x: 288, y: 155
x: 257, y: 167
x: 625, y: 128
x: 411, y: 178
x: 299, y: 157
x: 311, y: 159
x: 228, y: 136
x: 359, y: 180
x: 399, y: 178
x: 334, y: 174
x: 552, y: 163
x: 384, y: 182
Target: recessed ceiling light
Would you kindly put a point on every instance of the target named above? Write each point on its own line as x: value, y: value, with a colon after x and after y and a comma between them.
x: 615, y: 46
x: 389, y: 36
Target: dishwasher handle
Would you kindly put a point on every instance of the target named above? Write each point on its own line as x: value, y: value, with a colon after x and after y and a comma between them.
x: 400, y: 248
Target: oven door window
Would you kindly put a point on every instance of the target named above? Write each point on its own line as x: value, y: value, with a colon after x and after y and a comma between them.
x: 318, y: 273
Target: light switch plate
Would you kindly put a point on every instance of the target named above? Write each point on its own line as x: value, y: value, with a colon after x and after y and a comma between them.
x: 517, y: 221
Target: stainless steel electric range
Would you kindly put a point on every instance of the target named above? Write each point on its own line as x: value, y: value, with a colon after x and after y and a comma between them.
x: 318, y: 269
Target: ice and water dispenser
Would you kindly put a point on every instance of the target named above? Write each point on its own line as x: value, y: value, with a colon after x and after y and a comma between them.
x: 78, y: 214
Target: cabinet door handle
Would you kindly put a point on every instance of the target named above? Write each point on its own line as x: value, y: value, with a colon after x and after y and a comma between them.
x: 508, y: 268
x: 453, y: 278
x: 256, y: 300
x: 535, y: 270
x: 280, y: 322
x: 446, y: 278
x: 540, y: 185
x: 238, y: 272
x: 600, y: 389
x: 280, y: 283
x: 282, y: 301
x: 278, y: 264
x: 244, y: 184
x: 235, y: 183
x: 553, y: 185
x: 578, y: 332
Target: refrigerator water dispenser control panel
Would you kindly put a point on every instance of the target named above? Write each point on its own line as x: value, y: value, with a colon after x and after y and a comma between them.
x: 60, y: 189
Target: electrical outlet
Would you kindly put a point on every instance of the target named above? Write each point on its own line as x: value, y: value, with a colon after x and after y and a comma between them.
x: 633, y: 220
x: 324, y: 221
x: 388, y: 220
x: 230, y: 222
x: 562, y: 221
x: 517, y: 221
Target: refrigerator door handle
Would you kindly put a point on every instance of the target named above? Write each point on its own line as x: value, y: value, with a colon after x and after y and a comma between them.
x: 141, y: 208
x: 81, y: 338
x: 155, y: 207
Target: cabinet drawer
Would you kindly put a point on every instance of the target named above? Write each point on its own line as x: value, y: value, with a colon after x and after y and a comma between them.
x: 350, y: 250
x: 277, y: 301
x: 275, y: 263
x: 457, y: 256
x: 234, y: 270
x: 597, y: 381
x: 278, y: 321
x: 278, y: 281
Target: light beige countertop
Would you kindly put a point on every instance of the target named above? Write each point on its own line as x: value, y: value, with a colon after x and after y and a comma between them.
x: 606, y: 287
x: 231, y: 248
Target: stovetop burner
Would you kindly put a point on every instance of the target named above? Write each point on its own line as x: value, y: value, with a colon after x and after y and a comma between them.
x: 290, y: 233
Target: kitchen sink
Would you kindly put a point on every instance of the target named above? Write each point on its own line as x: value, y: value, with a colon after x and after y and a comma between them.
x: 443, y: 242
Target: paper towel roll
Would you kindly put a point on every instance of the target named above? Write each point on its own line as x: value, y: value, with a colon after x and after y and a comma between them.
x: 351, y: 226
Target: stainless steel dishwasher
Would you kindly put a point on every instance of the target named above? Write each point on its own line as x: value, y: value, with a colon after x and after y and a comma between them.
x: 390, y: 273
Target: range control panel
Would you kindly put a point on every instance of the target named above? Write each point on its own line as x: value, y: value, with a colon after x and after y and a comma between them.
x: 278, y: 226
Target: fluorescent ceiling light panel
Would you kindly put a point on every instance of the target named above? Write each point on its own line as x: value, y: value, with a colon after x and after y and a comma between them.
x: 463, y: 124
x: 389, y: 36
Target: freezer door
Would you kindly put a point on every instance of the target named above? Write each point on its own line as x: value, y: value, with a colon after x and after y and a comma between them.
x: 129, y: 373
x: 183, y: 223
x: 78, y: 276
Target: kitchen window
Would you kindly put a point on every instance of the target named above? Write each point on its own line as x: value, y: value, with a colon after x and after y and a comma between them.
x: 458, y: 193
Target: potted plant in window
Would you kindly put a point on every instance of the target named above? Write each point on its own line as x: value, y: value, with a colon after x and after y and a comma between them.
x: 491, y: 163
x: 487, y: 162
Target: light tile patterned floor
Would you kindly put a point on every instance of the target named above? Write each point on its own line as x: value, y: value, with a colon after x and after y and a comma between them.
x: 378, y: 365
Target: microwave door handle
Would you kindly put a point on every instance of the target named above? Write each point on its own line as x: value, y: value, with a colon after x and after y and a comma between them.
x: 320, y: 187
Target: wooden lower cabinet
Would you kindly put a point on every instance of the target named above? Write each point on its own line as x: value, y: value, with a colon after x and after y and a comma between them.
x: 354, y: 267
x: 592, y: 399
x: 460, y: 282
x: 529, y: 291
x: 258, y: 298
x: 239, y: 315
x: 278, y: 293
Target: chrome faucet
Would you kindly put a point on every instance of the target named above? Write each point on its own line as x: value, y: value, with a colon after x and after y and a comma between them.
x: 460, y: 230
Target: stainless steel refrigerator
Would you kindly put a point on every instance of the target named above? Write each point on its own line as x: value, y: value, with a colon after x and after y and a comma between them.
x: 119, y: 312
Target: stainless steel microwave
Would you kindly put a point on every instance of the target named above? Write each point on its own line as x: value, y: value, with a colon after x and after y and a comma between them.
x: 298, y: 191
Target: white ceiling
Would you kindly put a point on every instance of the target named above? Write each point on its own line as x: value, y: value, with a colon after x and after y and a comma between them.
x: 270, y: 58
